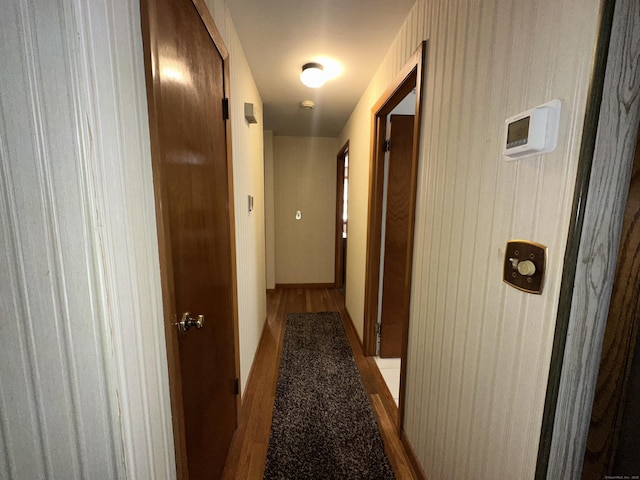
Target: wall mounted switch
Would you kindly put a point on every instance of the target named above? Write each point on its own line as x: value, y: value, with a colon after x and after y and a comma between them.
x: 524, y: 265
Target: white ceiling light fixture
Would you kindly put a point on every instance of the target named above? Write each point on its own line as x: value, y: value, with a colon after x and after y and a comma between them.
x: 313, y: 75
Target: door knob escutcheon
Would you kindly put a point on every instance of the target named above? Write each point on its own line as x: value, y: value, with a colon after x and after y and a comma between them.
x: 187, y: 322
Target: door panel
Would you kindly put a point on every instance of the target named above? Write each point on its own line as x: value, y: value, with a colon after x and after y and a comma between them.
x: 395, y: 294
x: 195, y: 196
x: 341, y: 242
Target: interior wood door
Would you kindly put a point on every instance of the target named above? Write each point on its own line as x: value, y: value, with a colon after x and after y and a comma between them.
x: 613, y: 444
x: 194, y: 195
x: 395, y: 285
x: 342, y: 187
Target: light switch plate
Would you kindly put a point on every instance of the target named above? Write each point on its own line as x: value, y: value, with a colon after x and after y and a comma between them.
x: 528, y: 256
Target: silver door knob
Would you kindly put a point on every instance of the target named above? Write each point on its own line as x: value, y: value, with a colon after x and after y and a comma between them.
x: 188, y: 321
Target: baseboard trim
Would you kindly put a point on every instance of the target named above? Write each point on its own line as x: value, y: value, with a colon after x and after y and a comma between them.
x: 252, y: 369
x: 411, y: 455
x: 350, y: 320
x: 304, y: 285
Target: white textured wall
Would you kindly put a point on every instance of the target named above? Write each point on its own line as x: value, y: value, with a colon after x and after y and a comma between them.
x: 83, y: 377
x: 479, y: 350
x: 304, y: 180
x: 248, y: 179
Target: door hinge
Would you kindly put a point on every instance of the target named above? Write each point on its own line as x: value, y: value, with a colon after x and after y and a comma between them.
x: 378, y: 329
x: 236, y: 386
x: 225, y: 108
x: 387, y: 145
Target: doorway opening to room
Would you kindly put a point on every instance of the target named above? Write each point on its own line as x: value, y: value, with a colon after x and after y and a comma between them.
x: 392, y: 201
x: 342, y: 195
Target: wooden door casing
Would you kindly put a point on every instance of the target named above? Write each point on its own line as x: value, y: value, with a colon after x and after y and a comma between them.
x: 187, y: 82
x: 409, y: 78
x: 620, y: 340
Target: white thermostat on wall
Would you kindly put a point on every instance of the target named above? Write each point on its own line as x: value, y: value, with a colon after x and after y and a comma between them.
x: 532, y: 132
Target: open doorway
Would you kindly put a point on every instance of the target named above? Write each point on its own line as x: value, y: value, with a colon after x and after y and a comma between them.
x: 394, y: 225
x: 342, y: 196
x: 392, y: 197
x: 393, y: 241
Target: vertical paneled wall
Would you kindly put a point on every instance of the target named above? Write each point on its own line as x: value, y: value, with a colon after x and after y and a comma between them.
x: 83, y: 377
x: 479, y: 350
x: 53, y: 426
x: 248, y: 179
x: 305, y: 182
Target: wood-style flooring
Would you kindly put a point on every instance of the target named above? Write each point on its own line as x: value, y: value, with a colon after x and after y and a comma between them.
x: 246, y: 459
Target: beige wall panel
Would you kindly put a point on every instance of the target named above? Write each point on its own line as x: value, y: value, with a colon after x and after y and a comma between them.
x: 269, y: 209
x: 248, y: 179
x: 479, y: 350
x: 305, y: 181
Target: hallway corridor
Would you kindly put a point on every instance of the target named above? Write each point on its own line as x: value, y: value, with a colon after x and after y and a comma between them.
x: 248, y: 450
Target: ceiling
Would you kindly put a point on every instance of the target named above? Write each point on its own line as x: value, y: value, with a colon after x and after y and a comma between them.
x: 279, y: 36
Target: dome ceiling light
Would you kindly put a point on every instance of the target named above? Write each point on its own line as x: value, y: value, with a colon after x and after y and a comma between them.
x: 313, y: 75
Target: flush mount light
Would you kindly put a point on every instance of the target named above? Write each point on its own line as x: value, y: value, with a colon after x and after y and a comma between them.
x: 313, y: 75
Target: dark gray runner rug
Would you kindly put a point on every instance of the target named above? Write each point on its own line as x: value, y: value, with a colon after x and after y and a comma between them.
x: 323, y: 425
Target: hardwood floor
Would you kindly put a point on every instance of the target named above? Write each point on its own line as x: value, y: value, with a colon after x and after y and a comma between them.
x: 248, y: 451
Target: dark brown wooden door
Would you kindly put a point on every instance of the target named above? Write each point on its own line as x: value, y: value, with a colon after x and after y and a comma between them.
x: 195, y: 197
x: 613, y: 444
x: 395, y: 285
x: 342, y: 188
